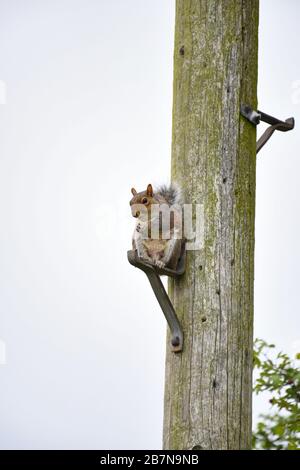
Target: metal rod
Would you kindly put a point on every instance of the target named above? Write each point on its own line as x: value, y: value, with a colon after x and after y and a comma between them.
x: 162, y: 297
x: 284, y: 125
x: 275, y: 124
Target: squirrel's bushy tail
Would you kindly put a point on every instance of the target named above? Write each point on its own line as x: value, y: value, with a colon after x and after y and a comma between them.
x: 171, y: 193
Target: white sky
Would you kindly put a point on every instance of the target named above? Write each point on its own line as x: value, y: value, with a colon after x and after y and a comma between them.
x: 88, y: 91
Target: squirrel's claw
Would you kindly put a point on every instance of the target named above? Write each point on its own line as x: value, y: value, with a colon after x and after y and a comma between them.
x: 160, y: 264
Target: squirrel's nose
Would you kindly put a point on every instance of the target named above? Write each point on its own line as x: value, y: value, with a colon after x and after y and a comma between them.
x: 137, y: 213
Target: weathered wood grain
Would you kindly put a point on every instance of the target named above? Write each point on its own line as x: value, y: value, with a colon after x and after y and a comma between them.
x: 208, y: 387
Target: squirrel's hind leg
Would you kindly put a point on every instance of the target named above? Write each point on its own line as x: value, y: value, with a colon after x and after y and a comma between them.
x: 172, y: 253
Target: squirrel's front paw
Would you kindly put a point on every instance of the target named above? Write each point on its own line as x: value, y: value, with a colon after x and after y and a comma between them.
x: 138, y: 227
x: 160, y: 264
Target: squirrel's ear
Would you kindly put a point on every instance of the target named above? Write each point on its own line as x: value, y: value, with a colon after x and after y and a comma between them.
x: 149, y: 190
x: 134, y: 191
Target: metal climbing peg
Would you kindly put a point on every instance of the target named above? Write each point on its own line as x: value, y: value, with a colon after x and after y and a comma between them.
x: 153, y: 273
x: 275, y: 124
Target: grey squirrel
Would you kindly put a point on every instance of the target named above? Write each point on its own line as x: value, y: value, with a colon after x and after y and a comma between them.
x: 149, y: 206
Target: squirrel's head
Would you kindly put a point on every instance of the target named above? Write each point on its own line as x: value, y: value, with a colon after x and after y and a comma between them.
x: 141, y: 202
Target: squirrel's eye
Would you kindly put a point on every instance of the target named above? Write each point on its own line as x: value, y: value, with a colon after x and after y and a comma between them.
x: 144, y: 200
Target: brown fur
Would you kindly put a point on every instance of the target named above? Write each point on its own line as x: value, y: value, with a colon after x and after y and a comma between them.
x: 155, y: 249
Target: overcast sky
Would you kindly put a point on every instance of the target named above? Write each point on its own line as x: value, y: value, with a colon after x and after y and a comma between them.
x: 85, y: 113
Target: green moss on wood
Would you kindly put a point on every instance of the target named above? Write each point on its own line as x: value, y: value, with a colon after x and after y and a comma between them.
x: 208, y: 386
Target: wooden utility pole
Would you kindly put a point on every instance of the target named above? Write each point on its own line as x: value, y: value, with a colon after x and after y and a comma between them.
x: 208, y: 386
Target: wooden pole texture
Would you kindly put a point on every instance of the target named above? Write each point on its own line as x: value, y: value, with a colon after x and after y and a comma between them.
x: 208, y: 387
